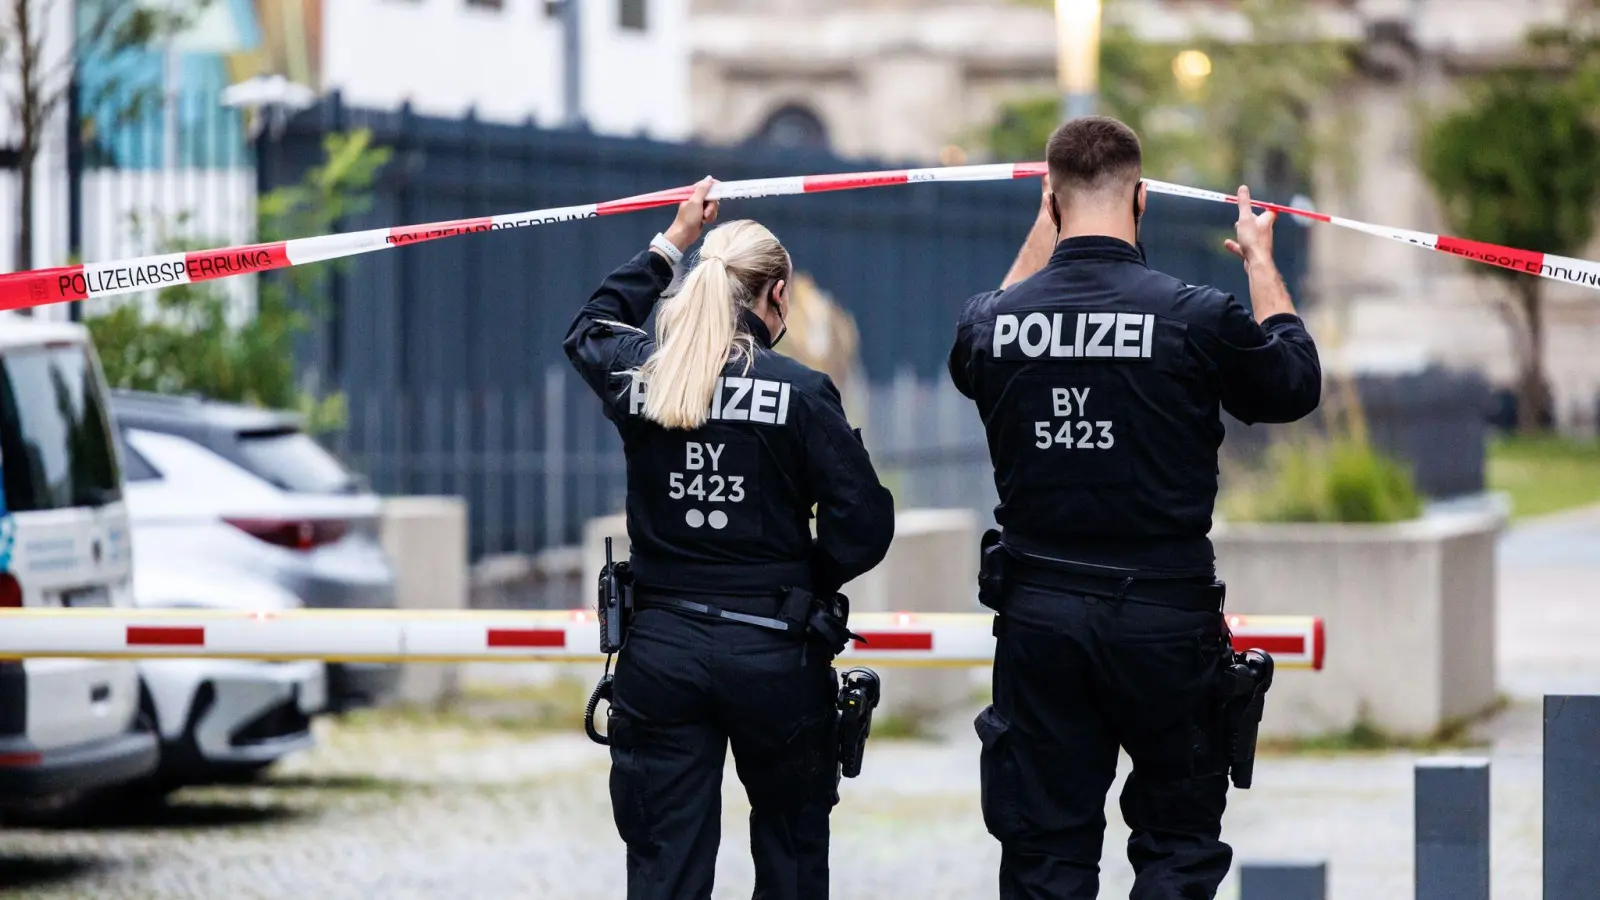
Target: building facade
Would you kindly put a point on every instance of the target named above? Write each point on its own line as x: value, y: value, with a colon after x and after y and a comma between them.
x: 505, y: 60
x: 920, y: 80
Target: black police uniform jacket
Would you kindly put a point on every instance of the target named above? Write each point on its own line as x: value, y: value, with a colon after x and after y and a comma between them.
x: 1099, y: 382
x: 727, y: 506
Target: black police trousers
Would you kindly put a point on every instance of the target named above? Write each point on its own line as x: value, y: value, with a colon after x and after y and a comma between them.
x: 1075, y: 677
x: 687, y: 685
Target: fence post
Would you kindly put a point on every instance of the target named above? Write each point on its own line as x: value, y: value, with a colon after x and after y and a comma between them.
x: 903, y: 418
x: 555, y: 456
x: 1283, y: 881
x: 1452, y: 828
x: 1571, y: 796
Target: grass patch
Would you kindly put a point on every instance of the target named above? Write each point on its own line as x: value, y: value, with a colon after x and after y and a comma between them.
x: 900, y: 726
x: 1544, y: 474
x: 345, y: 784
x: 1366, y: 737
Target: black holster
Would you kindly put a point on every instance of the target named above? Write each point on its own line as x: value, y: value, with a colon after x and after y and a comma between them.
x: 818, y: 622
x: 858, y: 697
x: 1248, y: 679
x: 992, y: 570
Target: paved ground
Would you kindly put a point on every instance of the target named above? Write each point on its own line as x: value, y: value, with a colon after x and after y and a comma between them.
x: 428, y: 810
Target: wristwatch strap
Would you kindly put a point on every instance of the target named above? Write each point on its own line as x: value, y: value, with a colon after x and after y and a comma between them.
x: 673, y: 254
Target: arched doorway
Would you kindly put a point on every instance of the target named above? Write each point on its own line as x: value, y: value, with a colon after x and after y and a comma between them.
x: 792, y: 126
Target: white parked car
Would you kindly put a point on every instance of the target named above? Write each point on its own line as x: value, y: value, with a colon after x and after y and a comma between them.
x: 222, y: 719
x: 67, y: 726
x: 245, y: 490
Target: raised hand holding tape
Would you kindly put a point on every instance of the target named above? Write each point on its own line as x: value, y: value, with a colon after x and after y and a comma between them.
x: 42, y: 287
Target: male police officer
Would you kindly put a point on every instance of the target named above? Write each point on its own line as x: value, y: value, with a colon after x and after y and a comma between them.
x: 1099, y: 382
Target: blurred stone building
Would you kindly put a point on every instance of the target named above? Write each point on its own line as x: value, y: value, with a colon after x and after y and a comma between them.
x: 917, y: 81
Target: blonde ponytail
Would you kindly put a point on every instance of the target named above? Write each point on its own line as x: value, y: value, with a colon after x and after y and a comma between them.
x: 697, y: 331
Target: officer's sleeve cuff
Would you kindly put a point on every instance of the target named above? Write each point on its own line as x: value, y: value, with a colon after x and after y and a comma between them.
x: 1282, y: 320
x: 659, y: 267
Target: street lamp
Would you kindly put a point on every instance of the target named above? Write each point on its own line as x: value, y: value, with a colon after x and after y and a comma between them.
x: 1078, y: 55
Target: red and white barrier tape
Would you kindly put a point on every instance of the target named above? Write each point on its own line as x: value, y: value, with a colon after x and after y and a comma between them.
x: 892, y: 639
x: 40, y: 287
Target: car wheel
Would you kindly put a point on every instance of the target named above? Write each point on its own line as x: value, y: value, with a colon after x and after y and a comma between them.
x: 54, y: 811
x: 152, y: 790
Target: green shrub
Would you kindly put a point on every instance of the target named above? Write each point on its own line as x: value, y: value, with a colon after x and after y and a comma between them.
x: 1344, y: 480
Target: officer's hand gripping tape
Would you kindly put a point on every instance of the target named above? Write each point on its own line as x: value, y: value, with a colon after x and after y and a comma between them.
x: 1248, y: 679
x: 858, y: 696
x: 615, y: 609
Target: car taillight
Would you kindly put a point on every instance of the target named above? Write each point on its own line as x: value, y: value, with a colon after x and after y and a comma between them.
x: 10, y: 590
x: 295, y: 534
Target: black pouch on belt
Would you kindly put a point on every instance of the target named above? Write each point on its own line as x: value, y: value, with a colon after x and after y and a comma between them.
x: 818, y: 621
x: 991, y: 570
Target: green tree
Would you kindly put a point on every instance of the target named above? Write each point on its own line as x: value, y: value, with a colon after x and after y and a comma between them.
x: 1249, y: 120
x: 195, y: 341
x: 1518, y: 163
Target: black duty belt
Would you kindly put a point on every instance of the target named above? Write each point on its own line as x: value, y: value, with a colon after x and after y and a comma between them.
x: 1187, y: 593
x: 758, y: 611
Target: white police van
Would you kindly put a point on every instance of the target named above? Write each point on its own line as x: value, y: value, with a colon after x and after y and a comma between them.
x: 67, y: 726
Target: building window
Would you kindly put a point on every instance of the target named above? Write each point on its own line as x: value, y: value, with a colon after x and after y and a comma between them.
x: 792, y: 127
x: 631, y: 15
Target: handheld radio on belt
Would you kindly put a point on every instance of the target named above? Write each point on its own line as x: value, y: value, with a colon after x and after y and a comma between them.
x: 615, y: 603
x: 615, y: 609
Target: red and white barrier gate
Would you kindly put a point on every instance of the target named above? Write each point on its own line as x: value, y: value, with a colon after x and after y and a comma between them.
x: 892, y: 639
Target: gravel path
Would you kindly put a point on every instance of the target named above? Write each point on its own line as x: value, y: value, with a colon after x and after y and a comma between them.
x: 396, y: 808
x: 397, y: 812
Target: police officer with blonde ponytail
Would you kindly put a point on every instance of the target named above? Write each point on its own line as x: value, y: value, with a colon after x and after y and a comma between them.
x: 736, y: 612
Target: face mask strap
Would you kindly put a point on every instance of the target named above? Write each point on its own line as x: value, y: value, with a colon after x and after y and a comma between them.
x: 783, y: 319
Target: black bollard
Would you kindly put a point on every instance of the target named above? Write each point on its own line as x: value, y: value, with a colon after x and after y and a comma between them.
x: 1571, y: 796
x: 1283, y: 881
x: 1452, y: 828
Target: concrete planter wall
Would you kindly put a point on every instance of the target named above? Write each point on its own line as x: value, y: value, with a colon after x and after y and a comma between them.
x: 932, y: 566
x: 1409, y: 610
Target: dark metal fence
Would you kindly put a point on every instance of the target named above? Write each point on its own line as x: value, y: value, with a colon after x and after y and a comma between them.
x: 478, y: 311
x: 1435, y: 421
x: 448, y: 350
x: 536, y: 461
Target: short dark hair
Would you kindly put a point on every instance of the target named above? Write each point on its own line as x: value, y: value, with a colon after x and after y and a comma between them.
x: 1093, y: 153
